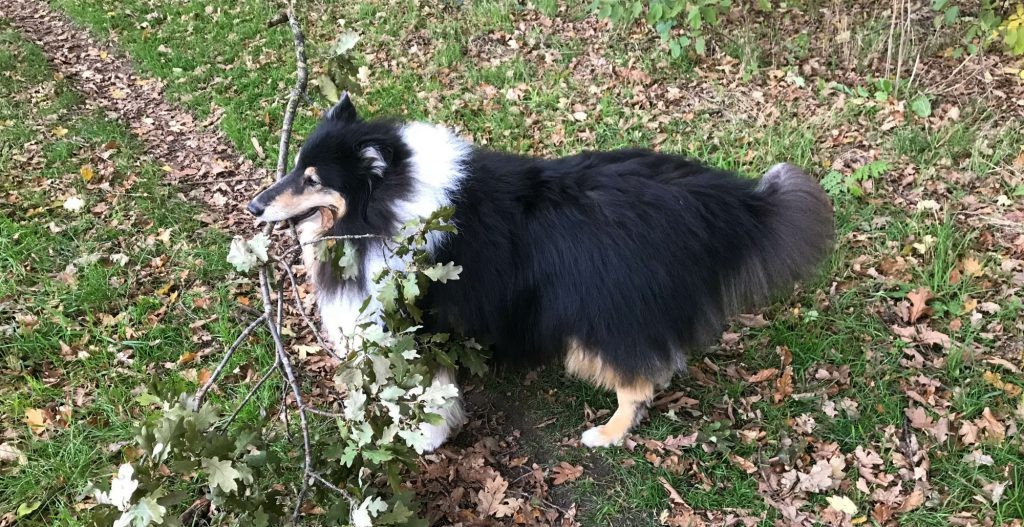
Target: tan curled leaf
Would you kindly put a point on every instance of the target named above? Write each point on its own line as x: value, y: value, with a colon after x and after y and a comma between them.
x: 913, y: 501
x: 673, y: 494
x: 37, y: 421
x: 763, y: 375
x: 919, y: 303
x: 972, y: 267
x: 996, y: 430
x: 743, y: 464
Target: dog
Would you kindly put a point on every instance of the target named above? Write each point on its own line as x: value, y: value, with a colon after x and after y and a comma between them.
x: 615, y: 263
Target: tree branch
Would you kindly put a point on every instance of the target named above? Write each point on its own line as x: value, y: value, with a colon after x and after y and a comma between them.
x: 301, y: 80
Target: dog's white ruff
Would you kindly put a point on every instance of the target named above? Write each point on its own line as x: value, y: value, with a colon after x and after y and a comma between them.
x: 437, y: 167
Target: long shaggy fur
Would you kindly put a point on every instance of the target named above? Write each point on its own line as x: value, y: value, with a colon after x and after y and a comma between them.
x: 628, y: 258
x: 637, y: 256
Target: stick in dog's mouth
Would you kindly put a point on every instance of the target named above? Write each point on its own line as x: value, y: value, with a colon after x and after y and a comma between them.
x: 326, y: 218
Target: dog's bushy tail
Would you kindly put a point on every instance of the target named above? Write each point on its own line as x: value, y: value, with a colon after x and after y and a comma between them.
x: 796, y: 235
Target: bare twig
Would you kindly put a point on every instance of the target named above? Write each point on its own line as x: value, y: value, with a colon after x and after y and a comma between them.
x: 302, y: 311
x: 225, y: 180
x: 227, y: 356
x: 259, y: 384
x: 272, y: 315
x: 299, y: 247
x: 324, y: 413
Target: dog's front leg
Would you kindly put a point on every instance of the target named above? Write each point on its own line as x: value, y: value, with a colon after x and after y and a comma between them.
x: 633, y: 400
x: 454, y: 415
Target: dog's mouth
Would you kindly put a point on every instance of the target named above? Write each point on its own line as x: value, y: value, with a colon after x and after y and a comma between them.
x: 327, y: 216
x: 303, y: 216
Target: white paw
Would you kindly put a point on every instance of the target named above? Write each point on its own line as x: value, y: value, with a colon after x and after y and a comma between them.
x: 594, y: 438
x: 434, y: 435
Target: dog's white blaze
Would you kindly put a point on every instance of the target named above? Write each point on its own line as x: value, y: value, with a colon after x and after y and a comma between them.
x: 438, y: 168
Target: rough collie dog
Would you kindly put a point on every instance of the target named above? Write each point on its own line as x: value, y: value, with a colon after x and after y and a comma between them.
x: 615, y: 263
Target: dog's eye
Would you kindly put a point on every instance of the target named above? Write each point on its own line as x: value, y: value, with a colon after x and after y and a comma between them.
x: 312, y: 181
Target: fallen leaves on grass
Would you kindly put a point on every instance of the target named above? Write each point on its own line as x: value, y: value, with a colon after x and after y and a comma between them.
x: 784, y: 385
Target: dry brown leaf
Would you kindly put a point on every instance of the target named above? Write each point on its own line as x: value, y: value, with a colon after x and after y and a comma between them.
x: 673, y: 494
x: 881, y: 513
x: 919, y: 418
x: 565, y: 472
x: 675, y: 442
x: 784, y: 385
x: 37, y: 421
x: 763, y: 375
x: 997, y: 382
x: 972, y: 267
x: 12, y: 454
x: 818, y: 479
x: 994, y: 491
x: 488, y: 500
x: 919, y: 303
x: 913, y: 501
x: 996, y: 431
x: 744, y: 464
x: 1004, y: 363
x: 968, y: 433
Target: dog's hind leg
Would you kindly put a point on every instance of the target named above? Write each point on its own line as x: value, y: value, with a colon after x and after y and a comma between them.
x: 633, y: 400
x: 453, y: 414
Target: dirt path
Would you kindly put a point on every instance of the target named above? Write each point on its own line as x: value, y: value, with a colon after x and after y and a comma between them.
x: 195, y: 154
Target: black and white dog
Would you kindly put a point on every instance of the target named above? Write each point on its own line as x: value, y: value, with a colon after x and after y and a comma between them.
x: 615, y: 263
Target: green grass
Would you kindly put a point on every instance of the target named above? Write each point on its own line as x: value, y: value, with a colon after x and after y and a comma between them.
x: 90, y: 347
x: 221, y: 57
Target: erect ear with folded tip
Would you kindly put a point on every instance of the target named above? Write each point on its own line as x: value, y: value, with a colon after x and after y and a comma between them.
x: 343, y: 111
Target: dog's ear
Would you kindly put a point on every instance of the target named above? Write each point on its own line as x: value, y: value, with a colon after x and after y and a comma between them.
x: 377, y: 156
x: 344, y: 111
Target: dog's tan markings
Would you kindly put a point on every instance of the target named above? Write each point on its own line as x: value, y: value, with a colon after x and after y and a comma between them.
x: 632, y: 400
x: 311, y: 171
x: 289, y: 202
x: 587, y: 365
x: 633, y: 397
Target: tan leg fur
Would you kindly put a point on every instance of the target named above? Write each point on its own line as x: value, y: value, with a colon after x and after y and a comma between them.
x: 633, y: 397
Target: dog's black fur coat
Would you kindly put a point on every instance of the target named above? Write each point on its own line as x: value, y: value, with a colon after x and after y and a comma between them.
x: 637, y: 256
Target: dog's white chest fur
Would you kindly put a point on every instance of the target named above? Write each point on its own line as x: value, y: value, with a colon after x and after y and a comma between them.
x: 437, y: 168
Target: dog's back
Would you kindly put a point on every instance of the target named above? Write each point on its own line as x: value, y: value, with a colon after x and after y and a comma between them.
x: 633, y: 255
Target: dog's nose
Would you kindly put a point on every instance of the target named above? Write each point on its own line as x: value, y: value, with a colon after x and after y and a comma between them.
x: 255, y: 209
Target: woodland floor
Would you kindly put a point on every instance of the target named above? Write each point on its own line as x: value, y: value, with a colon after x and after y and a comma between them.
x: 889, y: 387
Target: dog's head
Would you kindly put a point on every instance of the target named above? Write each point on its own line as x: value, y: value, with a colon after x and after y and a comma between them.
x: 335, y: 173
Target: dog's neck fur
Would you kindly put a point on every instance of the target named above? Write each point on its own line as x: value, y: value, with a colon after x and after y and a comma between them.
x: 436, y: 168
